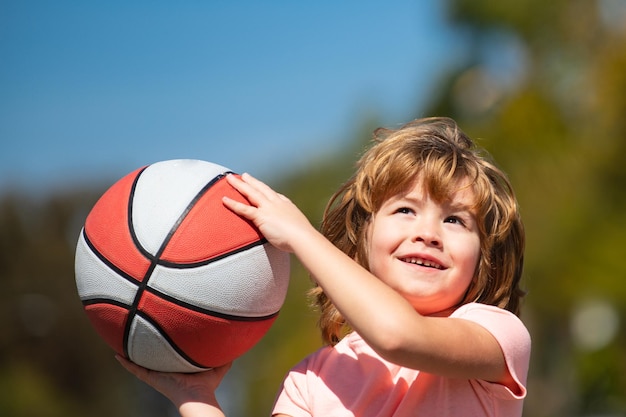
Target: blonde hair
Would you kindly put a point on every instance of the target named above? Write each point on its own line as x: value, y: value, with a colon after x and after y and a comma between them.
x: 437, y: 152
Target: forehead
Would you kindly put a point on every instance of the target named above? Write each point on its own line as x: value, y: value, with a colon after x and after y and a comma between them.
x: 457, y: 193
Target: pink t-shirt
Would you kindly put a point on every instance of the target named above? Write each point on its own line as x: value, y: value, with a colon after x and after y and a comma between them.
x: 350, y: 379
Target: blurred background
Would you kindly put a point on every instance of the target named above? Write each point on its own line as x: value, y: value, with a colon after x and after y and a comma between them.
x: 291, y: 93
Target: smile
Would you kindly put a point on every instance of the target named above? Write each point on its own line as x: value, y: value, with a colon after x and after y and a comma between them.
x: 422, y: 262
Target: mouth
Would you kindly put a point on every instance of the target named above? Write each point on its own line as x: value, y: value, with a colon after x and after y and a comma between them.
x: 422, y: 262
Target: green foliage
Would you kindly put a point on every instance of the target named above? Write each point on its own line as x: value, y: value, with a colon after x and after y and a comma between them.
x: 52, y: 362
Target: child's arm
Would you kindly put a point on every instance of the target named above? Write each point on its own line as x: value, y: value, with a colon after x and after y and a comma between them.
x: 192, y: 394
x: 388, y: 322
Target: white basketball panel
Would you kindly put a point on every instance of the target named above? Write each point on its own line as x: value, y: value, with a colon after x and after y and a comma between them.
x: 163, y: 192
x: 95, y: 279
x: 147, y: 348
x: 251, y: 283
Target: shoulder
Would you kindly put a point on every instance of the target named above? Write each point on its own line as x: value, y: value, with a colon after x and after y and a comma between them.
x: 497, y: 320
x: 349, y: 346
x: 330, y: 360
x: 312, y: 382
x: 509, y: 331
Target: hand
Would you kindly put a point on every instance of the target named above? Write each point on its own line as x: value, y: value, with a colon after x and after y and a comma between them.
x: 278, y: 219
x: 194, y: 391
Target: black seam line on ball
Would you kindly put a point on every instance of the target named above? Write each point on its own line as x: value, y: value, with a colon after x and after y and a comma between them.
x: 133, y: 307
x: 154, y: 259
x: 131, y: 226
x: 170, y: 341
x: 175, y: 265
x: 106, y: 261
x: 207, y: 312
x: 102, y: 300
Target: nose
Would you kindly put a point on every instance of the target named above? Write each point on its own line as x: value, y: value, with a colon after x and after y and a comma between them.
x: 429, y: 240
x: 427, y: 232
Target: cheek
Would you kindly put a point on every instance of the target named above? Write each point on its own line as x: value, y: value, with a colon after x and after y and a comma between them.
x: 369, y: 252
x: 470, y: 255
x: 377, y: 248
x: 475, y: 261
x: 477, y: 255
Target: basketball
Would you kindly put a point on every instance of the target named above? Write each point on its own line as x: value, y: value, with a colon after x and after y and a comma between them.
x: 169, y: 277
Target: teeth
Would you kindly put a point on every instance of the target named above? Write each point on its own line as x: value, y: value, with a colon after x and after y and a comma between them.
x: 422, y: 262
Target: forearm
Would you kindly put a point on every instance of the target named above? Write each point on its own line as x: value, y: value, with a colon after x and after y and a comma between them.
x: 199, y: 409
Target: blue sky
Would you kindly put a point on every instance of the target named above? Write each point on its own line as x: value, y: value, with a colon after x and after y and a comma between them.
x: 92, y: 90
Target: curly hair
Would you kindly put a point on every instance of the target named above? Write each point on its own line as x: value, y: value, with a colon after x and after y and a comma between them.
x: 440, y: 155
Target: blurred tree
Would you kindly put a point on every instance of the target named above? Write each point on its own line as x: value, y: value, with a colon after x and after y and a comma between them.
x: 51, y: 360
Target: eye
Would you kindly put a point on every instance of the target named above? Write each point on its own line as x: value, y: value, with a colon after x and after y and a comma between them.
x: 404, y: 210
x: 454, y: 220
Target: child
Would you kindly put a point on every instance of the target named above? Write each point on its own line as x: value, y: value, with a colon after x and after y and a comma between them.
x: 417, y: 274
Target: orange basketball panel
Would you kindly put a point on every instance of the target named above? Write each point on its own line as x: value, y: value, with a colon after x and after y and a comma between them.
x: 107, y: 229
x: 209, y: 341
x: 210, y: 229
x: 109, y: 321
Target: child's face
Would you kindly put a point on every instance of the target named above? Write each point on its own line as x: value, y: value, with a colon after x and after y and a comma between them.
x: 427, y: 251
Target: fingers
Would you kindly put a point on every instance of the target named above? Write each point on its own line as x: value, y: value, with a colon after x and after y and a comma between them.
x: 221, y: 371
x: 258, y: 185
x: 253, y: 189
x: 140, y: 372
x: 239, y: 208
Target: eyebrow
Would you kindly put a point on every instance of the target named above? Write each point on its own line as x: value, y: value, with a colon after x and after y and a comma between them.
x: 461, y: 207
x: 456, y: 206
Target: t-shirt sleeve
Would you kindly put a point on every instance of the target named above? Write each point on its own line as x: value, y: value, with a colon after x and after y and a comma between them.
x: 292, y: 395
x: 514, y: 341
